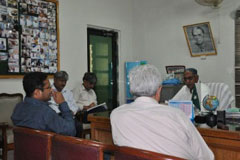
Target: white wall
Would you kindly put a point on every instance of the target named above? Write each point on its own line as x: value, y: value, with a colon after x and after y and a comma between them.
x: 74, y: 18
x: 148, y: 29
x: 159, y: 38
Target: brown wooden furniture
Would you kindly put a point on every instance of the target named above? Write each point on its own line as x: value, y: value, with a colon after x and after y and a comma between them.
x: 65, y: 147
x: 31, y: 144
x: 224, y: 144
x: 129, y: 153
x: 7, y: 104
x: 101, y: 127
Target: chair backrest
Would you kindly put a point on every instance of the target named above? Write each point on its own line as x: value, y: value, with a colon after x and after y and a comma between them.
x: 169, y: 91
x: 7, y: 104
x: 129, y: 153
x: 31, y: 144
x: 65, y: 147
x: 223, y: 93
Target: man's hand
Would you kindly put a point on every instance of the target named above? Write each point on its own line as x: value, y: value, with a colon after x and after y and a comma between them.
x: 58, y: 97
x: 89, y: 106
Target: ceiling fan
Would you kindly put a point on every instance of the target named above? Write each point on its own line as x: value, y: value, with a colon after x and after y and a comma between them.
x: 212, y: 3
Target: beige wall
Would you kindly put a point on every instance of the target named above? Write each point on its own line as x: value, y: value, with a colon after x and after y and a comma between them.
x: 148, y: 29
x: 158, y: 36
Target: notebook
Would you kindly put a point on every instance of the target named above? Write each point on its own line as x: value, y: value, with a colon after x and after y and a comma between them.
x: 98, y: 108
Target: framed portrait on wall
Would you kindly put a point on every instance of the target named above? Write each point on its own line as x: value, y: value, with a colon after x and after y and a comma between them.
x: 200, y: 39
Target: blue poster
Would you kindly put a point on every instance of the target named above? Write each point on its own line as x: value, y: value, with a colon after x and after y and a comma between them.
x: 128, y: 67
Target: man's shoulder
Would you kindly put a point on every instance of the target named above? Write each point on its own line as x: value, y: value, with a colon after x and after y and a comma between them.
x: 119, y: 110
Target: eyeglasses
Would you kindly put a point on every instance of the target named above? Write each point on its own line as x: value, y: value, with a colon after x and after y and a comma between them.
x: 42, y: 88
x: 188, y: 78
x: 49, y: 87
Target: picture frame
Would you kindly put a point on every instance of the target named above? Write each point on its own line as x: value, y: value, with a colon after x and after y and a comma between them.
x: 30, y: 37
x: 175, y: 68
x: 3, y: 44
x: 199, y: 39
x: 177, y: 71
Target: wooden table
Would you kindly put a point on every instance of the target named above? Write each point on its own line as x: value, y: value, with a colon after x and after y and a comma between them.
x: 101, y: 127
x: 224, y: 144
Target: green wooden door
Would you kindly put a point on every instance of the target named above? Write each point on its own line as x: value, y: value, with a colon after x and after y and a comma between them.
x: 102, y: 61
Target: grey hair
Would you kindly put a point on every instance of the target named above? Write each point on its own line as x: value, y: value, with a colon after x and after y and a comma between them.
x: 144, y: 80
x: 61, y: 75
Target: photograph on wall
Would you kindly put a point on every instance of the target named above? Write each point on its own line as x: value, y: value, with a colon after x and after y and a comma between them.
x: 28, y: 37
x: 200, y: 39
x: 3, y: 44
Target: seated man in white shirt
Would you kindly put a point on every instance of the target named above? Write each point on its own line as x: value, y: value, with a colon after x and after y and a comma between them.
x: 84, y: 94
x: 60, y: 81
x: 148, y: 125
x: 192, y: 90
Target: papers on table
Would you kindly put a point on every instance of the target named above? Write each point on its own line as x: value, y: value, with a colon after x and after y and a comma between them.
x: 185, y: 106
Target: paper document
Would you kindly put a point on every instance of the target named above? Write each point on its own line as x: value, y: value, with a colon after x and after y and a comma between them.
x: 185, y: 106
x: 99, y: 105
x: 98, y: 108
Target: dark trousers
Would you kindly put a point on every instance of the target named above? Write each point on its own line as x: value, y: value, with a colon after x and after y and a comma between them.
x: 79, y: 128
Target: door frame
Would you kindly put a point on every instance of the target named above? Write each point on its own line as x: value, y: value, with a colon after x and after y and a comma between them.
x: 115, y: 76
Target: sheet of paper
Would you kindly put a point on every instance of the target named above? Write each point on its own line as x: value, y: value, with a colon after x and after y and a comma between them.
x: 185, y: 106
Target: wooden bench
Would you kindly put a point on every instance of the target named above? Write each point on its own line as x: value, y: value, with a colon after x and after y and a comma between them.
x: 129, y: 153
x: 72, y: 148
x: 31, y: 144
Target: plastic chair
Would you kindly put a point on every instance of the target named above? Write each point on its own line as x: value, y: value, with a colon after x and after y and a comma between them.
x: 223, y: 93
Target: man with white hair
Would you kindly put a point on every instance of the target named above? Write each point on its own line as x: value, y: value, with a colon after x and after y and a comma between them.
x: 148, y: 125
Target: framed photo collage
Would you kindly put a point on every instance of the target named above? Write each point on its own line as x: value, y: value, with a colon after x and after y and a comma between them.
x: 28, y: 37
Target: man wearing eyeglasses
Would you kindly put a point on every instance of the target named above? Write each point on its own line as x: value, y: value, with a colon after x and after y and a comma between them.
x: 190, y: 91
x: 34, y: 112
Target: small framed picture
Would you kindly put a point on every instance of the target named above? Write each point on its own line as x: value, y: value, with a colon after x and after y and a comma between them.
x: 200, y: 39
x: 3, y: 44
x: 175, y: 68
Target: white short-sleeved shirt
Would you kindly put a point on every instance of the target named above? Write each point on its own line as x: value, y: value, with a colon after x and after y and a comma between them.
x: 148, y: 125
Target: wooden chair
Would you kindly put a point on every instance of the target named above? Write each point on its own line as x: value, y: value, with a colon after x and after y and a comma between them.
x: 31, y: 144
x: 7, y: 104
x: 72, y: 148
x: 128, y: 153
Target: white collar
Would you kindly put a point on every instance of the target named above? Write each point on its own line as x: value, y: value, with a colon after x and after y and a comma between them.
x: 145, y: 99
